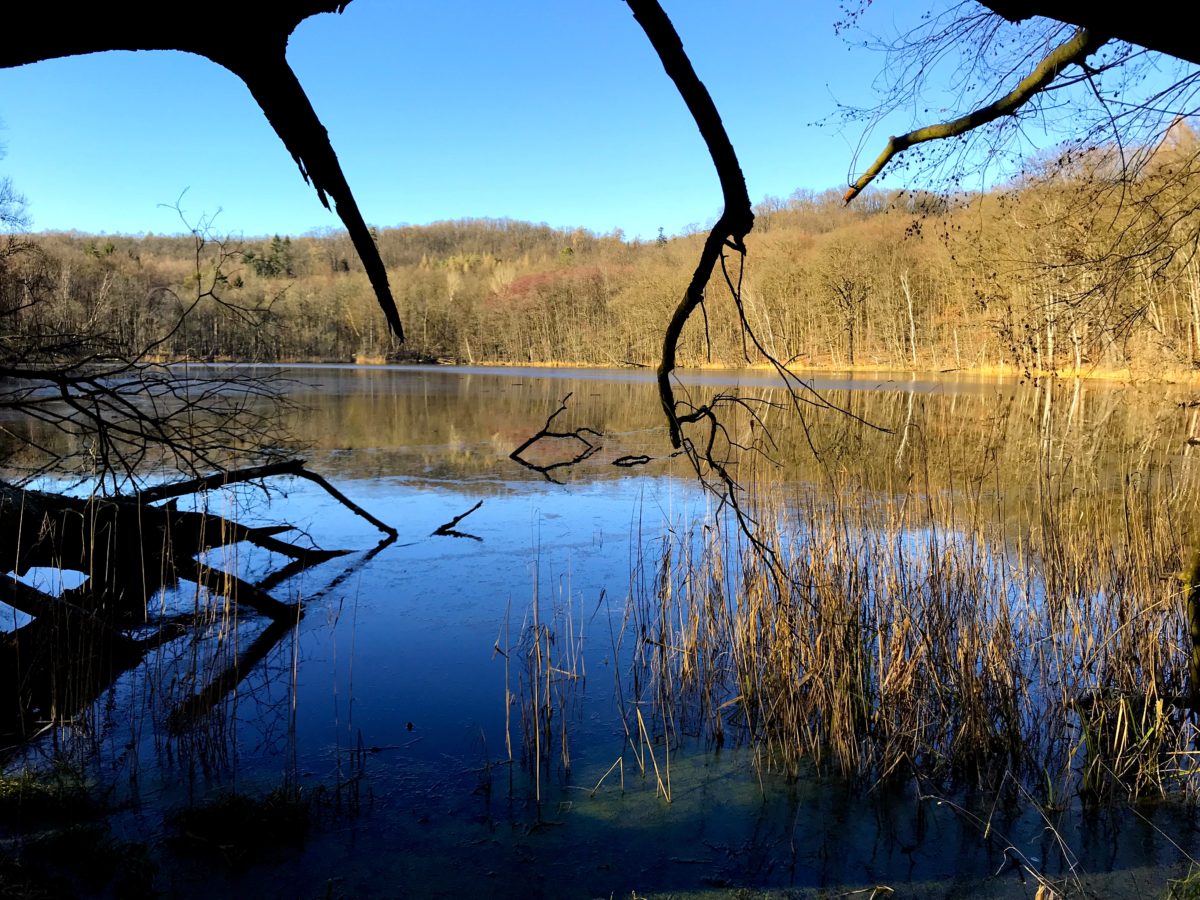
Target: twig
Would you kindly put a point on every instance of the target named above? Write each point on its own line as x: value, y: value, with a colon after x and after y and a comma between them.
x: 577, y: 435
x: 1075, y: 50
x: 447, y: 529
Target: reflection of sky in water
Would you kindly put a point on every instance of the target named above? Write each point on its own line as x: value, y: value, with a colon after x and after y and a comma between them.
x: 397, y: 679
x: 409, y: 639
x: 429, y: 610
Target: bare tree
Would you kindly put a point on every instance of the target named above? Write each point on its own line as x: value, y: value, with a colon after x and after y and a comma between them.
x: 254, y: 48
x: 1049, y: 56
x: 1084, y: 76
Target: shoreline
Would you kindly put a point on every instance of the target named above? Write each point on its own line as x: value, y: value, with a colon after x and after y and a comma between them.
x: 1125, y: 375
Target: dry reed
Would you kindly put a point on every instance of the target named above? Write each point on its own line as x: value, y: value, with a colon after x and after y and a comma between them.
x: 966, y: 632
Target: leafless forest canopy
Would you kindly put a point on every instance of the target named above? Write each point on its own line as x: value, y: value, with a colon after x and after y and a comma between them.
x: 1049, y: 272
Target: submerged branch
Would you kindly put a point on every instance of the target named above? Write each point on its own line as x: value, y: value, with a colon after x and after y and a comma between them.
x: 228, y: 679
x: 38, y: 605
x: 579, y: 435
x: 447, y: 528
x: 294, y: 467
x: 78, y: 643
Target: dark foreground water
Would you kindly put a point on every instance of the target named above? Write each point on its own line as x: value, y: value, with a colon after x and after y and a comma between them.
x: 396, y: 699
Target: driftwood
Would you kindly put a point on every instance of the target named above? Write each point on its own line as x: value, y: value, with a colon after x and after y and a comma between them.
x: 447, y: 529
x: 579, y: 436
x: 128, y: 548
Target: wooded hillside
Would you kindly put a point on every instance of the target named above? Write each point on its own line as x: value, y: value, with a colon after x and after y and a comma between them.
x: 1040, y: 275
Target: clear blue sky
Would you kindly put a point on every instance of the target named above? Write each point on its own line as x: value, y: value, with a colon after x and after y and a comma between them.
x: 539, y: 110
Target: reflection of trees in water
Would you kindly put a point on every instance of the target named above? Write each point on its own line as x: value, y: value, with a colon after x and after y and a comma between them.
x: 443, y: 426
x: 440, y: 424
x: 135, y: 562
x: 1002, y: 448
x: 461, y: 426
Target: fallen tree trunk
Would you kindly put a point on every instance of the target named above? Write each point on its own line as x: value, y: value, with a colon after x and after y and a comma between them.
x: 128, y: 547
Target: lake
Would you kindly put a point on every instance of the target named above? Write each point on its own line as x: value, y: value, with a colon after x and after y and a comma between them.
x: 469, y: 711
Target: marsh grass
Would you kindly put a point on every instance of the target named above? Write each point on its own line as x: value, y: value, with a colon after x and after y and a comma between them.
x: 548, y: 664
x: 962, y: 625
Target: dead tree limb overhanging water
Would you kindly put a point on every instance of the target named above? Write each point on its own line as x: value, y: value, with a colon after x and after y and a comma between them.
x: 127, y: 549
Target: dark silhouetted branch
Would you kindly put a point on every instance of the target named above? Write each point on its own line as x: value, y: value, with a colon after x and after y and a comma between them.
x: 347, y: 502
x: 33, y: 602
x: 219, y: 480
x: 294, y: 467
x: 254, y: 48
x: 227, y: 680
x: 579, y: 435
x: 447, y: 529
x: 737, y: 218
x: 1155, y: 25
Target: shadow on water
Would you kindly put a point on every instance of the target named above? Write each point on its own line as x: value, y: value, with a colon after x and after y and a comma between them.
x: 389, y: 705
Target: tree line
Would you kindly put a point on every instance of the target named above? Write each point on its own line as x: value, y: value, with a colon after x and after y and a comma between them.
x: 1044, y: 273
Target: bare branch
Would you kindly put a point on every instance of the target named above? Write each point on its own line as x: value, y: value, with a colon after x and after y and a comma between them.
x: 447, y: 529
x: 1073, y: 51
x: 737, y: 218
x: 579, y: 435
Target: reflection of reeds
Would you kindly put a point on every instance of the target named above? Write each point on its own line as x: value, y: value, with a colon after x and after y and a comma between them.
x: 550, y: 670
x: 926, y: 629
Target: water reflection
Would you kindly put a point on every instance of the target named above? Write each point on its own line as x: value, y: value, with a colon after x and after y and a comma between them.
x: 391, y: 686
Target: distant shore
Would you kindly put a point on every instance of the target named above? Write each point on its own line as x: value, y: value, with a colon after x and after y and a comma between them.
x: 1126, y: 375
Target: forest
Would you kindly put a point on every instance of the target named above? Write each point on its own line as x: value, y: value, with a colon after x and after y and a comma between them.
x: 917, y: 629
x: 1055, y: 271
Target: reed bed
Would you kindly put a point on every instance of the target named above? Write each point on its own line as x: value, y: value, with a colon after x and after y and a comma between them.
x: 967, y: 628
x: 548, y: 665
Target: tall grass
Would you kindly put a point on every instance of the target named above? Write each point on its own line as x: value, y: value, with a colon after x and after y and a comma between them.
x: 550, y: 671
x: 967, y: 626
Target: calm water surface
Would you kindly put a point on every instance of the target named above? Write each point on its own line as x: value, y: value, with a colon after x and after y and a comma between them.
x: 389, y: 697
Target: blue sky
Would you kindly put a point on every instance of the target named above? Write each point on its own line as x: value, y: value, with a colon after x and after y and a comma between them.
x: 530, y: 109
